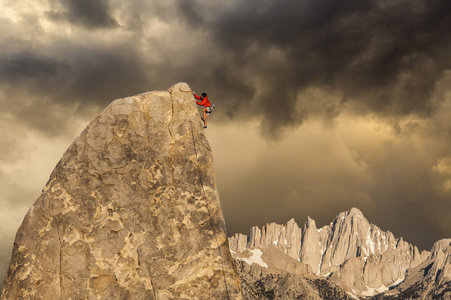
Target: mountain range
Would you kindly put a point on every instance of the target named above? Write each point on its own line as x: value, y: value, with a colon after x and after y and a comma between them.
x: 357, y: 257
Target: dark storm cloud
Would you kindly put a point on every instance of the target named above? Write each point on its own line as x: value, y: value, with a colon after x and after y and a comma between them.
x: 90, y: 14
x: 41, y: 88
x: 386, y: 55
x: 104, y: 74
x: 24, y: 65
x: 29, y: 83
x: 257, y: 57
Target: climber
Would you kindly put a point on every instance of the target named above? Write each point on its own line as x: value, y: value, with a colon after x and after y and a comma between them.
x: 204, y: 102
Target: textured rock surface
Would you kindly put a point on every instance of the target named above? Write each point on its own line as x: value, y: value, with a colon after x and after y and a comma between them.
x: 260, y: 283
x: 124, y: 215
x: 267, y: 283
x: 351, y: 252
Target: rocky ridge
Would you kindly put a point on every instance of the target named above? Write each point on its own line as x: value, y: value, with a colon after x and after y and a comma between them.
x: 125, y: 215
x: 356, y: 255
x: 429, y: 280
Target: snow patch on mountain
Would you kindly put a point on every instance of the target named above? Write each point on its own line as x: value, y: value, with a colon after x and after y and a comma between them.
x: 256, y: 258
x: 374, y: 291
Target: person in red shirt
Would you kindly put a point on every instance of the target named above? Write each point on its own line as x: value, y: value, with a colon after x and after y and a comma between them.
x: 207, y: 106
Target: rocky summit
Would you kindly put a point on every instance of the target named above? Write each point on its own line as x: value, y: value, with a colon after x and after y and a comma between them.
x: 131, y: 211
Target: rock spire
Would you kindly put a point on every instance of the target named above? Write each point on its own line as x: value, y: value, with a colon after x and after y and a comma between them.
x: 124, y: 214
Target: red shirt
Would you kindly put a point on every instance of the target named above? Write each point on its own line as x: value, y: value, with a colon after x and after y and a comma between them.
x: 204, y: 101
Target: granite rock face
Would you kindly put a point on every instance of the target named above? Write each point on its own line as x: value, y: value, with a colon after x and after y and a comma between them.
x: 125, y: 215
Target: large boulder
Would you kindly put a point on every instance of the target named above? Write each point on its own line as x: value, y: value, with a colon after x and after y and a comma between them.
x: 131, y: 211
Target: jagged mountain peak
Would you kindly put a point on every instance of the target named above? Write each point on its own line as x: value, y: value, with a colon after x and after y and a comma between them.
x: 352, y: 217
x: 440, y: 246
x: 310, y: 223
x: 352, y: 212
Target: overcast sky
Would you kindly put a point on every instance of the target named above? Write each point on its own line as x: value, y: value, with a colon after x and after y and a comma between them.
x: 322, y: 105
